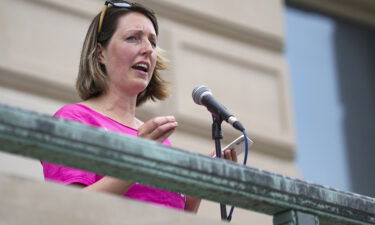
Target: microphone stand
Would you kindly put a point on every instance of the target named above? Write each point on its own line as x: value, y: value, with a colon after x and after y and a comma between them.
x: 217, y: 135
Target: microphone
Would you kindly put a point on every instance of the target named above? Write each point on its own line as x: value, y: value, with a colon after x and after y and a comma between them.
x: 202, y: 96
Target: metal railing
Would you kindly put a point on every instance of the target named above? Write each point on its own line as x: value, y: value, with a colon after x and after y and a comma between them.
x: 290, y: 201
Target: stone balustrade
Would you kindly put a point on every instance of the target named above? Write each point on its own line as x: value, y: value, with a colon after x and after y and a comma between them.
x: 290, y: 201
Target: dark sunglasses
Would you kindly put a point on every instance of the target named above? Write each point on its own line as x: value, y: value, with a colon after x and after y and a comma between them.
x: 114, y: 3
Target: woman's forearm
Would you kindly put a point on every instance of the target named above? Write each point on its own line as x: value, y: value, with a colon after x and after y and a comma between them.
x: 110, y: 185
x: 192, y: 204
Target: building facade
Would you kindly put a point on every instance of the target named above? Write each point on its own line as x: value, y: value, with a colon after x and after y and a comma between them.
x: 234, y: 48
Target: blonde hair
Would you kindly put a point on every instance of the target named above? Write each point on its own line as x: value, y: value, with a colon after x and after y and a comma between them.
x: 92, y: 78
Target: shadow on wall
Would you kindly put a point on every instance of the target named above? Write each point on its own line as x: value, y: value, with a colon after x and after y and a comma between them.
x: 355, y: 55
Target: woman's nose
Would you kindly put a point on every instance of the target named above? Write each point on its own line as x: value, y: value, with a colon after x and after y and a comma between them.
x: 147, y: 47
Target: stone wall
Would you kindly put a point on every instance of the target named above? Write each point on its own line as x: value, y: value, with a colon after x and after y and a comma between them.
x: 235, y: 48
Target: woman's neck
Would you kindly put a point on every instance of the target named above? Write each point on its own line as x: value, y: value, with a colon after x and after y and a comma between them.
x: 119, y: 107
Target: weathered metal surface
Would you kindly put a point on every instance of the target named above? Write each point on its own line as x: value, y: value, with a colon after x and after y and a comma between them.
x: 293, y: 217
x: 76, y: 145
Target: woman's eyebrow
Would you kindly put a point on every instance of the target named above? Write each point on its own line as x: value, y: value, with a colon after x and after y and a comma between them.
x: 139, y: 31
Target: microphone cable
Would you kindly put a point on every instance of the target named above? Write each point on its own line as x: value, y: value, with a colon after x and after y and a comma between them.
x: 229, y: 218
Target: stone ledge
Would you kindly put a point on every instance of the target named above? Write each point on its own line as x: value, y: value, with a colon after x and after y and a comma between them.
x: 26, y: 201
x: 76, y: 145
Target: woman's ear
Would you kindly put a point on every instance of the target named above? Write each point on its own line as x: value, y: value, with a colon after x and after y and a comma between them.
x: 100, y: 52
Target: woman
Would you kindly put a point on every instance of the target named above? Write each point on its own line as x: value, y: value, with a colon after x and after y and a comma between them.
x: 119, y: 70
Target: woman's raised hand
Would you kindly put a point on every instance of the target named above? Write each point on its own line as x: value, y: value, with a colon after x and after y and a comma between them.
x: 158, y: 128
x: 229, y: 154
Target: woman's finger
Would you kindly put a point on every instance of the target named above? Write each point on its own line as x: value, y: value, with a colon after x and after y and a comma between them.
x: 165, y: 135
x: 148, y: 127
x: 153, y: 123
x: 162, y: 130
x: 212, y: 154
x: 228, y: 155
x: 234, y: 155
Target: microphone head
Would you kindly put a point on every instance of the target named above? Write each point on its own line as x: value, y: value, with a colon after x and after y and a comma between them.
x: 199, y: 92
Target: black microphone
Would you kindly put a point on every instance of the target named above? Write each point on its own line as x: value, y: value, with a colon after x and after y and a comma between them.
x: 202, y: 96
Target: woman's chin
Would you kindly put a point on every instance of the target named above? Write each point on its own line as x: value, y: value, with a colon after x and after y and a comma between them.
x: 139, y: 87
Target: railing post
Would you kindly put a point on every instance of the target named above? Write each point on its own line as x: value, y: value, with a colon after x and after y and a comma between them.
x: 293, y: 217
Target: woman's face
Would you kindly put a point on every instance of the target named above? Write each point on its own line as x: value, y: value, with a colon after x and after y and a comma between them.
x: 130, y: 55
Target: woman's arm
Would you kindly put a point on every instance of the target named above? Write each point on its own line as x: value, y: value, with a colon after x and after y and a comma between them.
x: 192, y: 204
x: 157, y: 129
x: 109, y: 185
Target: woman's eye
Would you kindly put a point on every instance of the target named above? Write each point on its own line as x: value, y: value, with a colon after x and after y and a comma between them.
x: 153, y: 43
x: 131, y: 38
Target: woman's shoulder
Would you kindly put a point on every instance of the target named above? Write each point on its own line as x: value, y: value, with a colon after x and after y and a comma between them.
x: 77, y: 112
x: 71, y: 110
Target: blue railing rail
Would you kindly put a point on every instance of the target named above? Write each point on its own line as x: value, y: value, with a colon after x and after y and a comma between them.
x: 290, y: 201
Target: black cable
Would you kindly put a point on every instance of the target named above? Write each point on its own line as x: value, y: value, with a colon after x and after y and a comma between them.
x: 229, y: 218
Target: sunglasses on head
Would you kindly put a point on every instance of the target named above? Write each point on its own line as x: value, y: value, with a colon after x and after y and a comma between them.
x: 113, y: 3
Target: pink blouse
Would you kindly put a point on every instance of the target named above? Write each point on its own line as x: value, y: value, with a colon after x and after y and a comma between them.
x: 67, y: 175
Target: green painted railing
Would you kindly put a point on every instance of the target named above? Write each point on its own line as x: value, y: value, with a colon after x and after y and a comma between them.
x: 290, y: 201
